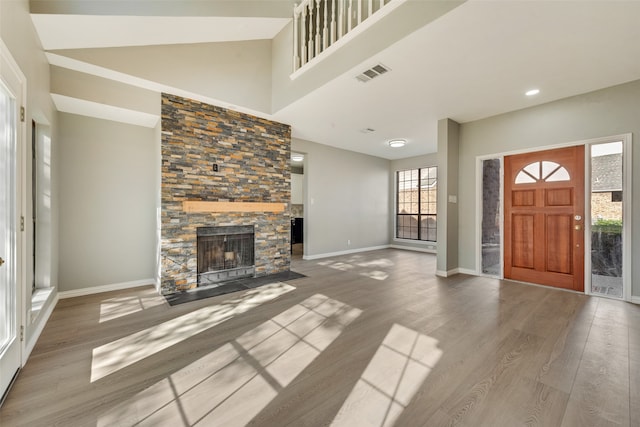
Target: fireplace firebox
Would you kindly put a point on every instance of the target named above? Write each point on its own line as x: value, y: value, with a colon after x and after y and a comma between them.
x: 225, y: 253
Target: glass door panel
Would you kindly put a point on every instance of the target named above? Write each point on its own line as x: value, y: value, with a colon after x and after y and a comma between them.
x: 9, y: 345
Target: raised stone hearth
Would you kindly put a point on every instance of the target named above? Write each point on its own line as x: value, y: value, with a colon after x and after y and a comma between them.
x: 238, y: 161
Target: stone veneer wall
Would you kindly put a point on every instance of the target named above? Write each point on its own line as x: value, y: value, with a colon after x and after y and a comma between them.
x: 252, y: 155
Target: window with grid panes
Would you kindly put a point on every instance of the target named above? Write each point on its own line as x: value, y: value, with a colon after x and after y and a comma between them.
x: 416, y: 204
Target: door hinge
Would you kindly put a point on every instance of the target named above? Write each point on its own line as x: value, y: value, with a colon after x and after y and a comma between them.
x: 22, y: 114
x: 21, y: 333
x: 22, y: 223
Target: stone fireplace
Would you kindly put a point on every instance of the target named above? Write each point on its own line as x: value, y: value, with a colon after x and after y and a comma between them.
x: 225, y: 253
x: 221, y: 168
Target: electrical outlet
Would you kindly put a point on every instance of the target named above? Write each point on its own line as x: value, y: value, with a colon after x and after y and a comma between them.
x: 348, y: 242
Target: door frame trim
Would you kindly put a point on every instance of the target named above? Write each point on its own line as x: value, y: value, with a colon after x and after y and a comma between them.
x: 627, y: 140
x: 21, y: 202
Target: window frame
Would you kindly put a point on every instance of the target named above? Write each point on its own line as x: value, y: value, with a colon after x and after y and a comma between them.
x: 432, y: 174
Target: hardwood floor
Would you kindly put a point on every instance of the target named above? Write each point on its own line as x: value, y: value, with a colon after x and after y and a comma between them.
x: 368, y: 339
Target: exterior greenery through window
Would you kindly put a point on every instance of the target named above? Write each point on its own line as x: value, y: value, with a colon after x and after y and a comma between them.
x: 416, y: 204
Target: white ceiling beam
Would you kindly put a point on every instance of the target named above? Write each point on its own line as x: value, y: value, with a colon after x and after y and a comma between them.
x: 221, y: 8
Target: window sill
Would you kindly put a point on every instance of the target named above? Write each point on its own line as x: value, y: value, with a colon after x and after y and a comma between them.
x: 38, y: 300
x: 429, y: 246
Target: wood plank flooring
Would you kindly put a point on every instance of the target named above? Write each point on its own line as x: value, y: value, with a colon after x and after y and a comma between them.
x: 370, y: 339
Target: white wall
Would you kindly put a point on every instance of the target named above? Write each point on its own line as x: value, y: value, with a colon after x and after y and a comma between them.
x: 417, y: 162
x: 108, y: 186
x: 297, y: 188
x: 347, y: 198
x: 602, y: 113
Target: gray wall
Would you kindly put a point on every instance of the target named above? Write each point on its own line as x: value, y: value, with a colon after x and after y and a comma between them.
x: 108, y: 199
x: 426, y: 160
x: 448, y: 165
x: 606, y: 112
x: 347, y: 198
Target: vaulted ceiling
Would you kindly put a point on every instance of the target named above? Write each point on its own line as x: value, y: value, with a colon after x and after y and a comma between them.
x: 474, y: 61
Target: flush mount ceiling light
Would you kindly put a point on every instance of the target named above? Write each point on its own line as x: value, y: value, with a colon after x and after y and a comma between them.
x: 397, y: 143
x: 532, y: 92
x: 297, y: 157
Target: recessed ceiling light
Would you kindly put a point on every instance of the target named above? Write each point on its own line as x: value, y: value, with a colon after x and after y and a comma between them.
x: 397, y: 143
x: 297, y: 157
x: 532, y: 92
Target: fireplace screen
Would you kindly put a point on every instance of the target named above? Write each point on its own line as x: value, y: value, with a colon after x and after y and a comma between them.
x: 225, y: 253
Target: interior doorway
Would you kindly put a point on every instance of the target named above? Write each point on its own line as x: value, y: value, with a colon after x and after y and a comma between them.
x: 297, y: 205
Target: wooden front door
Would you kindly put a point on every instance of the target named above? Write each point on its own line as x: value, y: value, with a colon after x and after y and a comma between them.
x: 544, y: 217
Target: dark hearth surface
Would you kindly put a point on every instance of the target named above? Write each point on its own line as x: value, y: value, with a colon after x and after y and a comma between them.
x: 230, y: 286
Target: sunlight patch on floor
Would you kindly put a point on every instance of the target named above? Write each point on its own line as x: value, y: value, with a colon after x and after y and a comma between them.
x: 336, y: 265
x: 114, y: 308
x: 232, y: 384
x: 394, y: 374
x: 118, y: 354
x: 380, y: 263
x: 355, y: 262
x: 375, y: 274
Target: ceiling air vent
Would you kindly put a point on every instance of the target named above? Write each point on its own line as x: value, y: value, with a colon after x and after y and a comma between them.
x: 372, y: 73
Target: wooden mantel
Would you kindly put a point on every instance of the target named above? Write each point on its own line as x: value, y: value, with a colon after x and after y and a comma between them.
x: 212, y: 207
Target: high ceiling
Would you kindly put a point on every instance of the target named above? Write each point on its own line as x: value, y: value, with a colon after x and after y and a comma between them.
x: 474, y: 62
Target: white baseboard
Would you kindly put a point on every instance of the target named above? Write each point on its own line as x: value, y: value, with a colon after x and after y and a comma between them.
x: 106, y: 288
x: 442, y: 273
x: 413, y: 248
x: 468, y: 271
x: 39, y: 327
x: 635, y: 300
x: 347, y: 252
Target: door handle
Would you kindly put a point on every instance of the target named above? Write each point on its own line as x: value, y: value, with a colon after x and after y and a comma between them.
x: 1, y: 262
x: 578, y: 227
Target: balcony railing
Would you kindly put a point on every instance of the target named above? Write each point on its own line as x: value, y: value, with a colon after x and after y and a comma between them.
x: 318, y: 24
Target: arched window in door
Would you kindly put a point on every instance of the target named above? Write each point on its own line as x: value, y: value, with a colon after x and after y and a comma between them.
x: 542, y: 171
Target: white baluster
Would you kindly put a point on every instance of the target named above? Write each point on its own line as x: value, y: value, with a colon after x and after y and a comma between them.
x: 333, y: 21
x: 350, y: 17
x: 370, y: 8
x: 310, y: 42
x: 296, y: 37
x: 381, y: 4
x: 340, y: 18
x: 318, y: 40
x: 303, y: 32
x: 359, y: 11
x: 325, y: 26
